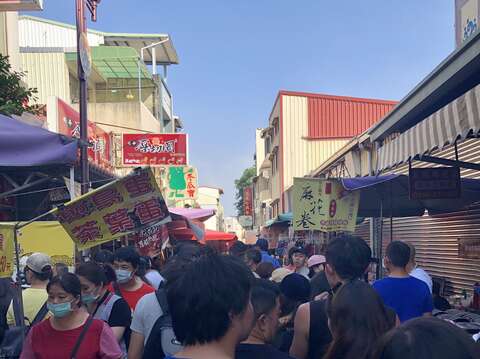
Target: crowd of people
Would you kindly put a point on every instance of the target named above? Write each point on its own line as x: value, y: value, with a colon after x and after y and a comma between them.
x: 244, y: 304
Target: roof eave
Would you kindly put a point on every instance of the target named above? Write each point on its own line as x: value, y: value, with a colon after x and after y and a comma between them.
x: 458, y: 73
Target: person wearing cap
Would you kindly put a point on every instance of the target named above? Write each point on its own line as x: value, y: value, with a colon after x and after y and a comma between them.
x: 262, y: 244
x: 38, y: 272
x: 297, y: 258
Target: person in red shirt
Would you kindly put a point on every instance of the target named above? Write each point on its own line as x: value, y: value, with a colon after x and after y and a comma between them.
x: 128, y: 285
x: 56, y: 337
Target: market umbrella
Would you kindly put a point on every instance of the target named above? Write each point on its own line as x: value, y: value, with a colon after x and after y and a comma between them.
x: 199, y: 214
x: 24, y: 145
x: 388, y: 196
x: 219, y: 236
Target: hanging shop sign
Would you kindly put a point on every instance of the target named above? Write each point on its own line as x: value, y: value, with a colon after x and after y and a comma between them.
x: 122, y: 207
x: 434, y: 183
x: 181, y: 183
x: 248, y: 201
x: 155, y: 149
x: 323, y: 205
x: 469, y: 248
x: 99, y: 151
x: 149, y: 241
x: 7, y: 249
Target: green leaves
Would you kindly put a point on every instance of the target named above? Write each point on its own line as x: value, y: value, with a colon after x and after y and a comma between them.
x: 14, y: 97
x: 244, y: 181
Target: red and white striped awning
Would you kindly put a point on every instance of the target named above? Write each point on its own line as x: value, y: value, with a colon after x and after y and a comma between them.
x: 451, y: 123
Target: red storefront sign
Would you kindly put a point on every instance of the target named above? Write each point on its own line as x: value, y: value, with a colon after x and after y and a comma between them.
x: 155, y: 149
x: 248, y: 201
x: 69, y: 124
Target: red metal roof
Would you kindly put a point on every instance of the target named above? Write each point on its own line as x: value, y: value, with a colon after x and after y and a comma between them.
x: 341, y: 117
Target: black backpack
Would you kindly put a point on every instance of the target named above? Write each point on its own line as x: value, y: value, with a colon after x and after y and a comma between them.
x: 11, y: 346
x: 162, y: 341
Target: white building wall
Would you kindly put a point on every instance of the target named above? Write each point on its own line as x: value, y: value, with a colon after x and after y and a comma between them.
x: 36, y: 32
x: 48, y: 73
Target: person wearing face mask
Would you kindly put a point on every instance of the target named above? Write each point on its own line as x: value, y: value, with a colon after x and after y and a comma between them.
x: 71, y: 332
x: 102, y: 304
x: 38, y: 271
x: 128, y: 285
x: 265, y: 300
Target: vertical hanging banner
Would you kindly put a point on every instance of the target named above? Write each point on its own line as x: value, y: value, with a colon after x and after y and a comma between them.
x: 122, y: 207
x: 181, y: 183
x: 323, y: 205
x: 7, y: 249
x: 248, y: 201
x: 99, y: 151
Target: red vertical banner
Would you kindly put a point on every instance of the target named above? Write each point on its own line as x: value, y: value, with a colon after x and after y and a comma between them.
x: 99, y: 151
x: 248, y: 201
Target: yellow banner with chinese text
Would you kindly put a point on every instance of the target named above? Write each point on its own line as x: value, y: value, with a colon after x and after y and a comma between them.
x: 119, y: 208
x: 47, y: 237
x: 7, y: 250
x: 323, y: 205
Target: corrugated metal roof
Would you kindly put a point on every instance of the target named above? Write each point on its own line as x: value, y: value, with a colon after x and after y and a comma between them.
x: 341, y: 116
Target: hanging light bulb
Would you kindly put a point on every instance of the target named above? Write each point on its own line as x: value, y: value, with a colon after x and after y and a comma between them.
x: 129, y: 95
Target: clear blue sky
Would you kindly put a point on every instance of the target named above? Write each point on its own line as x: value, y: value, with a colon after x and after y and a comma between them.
x: 236, y: 55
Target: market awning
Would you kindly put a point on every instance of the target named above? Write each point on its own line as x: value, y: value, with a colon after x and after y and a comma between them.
x: 199, y: 214
x: 23, y: 145
x: 385, y: 196
x: 219, y: 236
x: 454, y: 122
x: 283, y: 219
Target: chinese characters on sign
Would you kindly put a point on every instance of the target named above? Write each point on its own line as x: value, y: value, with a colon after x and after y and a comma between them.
x: 131, y: 204
x: 248, y: 201
x: 323, y: 205
x: 181, y: 183
x: 469, y: 248
x: 434, y: 183
x: 100, y: 142
x: 155, y: 149
x: 149, y: 240
x: 6, y: 253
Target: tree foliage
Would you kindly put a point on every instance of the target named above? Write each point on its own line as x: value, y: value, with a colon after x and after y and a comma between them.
x: 244, y: 181
x: 14, y: 97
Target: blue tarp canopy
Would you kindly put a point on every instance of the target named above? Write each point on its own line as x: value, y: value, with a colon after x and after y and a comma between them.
x: 388, y: 196
x: 23, y: 145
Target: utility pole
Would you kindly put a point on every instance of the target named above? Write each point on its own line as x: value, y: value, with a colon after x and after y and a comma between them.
x: 83, y: 70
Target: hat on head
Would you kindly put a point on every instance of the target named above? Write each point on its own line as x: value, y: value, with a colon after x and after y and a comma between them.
x: 295, y: 286
x: 39, y: 263
x: 294, y: 250
x: 315, y: 260
x: 280, y: 273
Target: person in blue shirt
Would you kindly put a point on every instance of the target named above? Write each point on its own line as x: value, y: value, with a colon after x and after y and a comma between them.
x: 408, y: 296
x: 262, y: 244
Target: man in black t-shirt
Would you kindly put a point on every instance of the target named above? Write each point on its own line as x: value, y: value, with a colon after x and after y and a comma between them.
x: 266, y: 306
